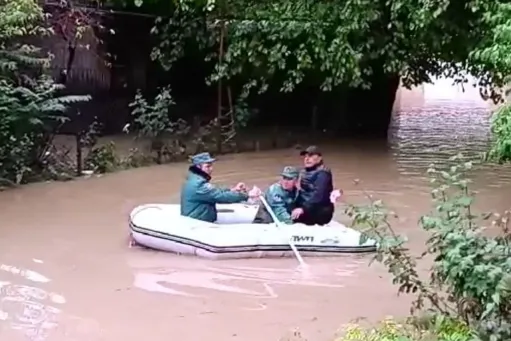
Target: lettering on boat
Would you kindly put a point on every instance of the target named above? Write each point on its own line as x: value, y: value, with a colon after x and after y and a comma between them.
x: 299, y: 239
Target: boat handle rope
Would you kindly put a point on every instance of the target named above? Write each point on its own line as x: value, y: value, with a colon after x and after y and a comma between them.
x: 143, y: 208
x: 277, y: 224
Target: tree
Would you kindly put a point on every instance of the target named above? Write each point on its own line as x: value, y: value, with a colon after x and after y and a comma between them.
x: 494, y: 59
x: 72, y: 24
x: 29, y: 102
x: 328, y: 45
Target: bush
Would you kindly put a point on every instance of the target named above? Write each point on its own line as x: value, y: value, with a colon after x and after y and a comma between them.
x: 27, y: 113
x: 425, y: 329
x: 500, y: 150
x: 30, y: 104
x: 136, y: 158
x: 103, y: 159
x: 153, y: 121
x: 470, y: 278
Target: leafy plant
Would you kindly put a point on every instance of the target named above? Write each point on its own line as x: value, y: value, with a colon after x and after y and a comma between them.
x: 30, y: 104
x: 500, y: 149
x: 493, y: 55
x: 242, y: 113
x: 136, y: 158
x: 103, y: 159
x: 27, y: 114
x: 437, y: 328
x: 324, y: 45
x: 153, y: 121
x: 470, y: 279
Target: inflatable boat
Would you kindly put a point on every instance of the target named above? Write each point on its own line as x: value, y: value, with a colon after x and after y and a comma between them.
x: 234, y: 235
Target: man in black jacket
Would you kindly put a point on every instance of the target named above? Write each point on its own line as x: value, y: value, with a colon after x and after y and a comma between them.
x: 316, y: 185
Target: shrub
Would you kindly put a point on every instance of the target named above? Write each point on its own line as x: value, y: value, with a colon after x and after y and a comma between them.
x: 470, y: 278
x: 103, y: 159
x: 426, y: 329
x: 30, y: 104
x: 153, y: 121
x: 500, y: 150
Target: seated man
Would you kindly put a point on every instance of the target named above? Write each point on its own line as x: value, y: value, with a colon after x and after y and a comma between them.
x: 281, y: 197
x: 199, y: 197
x: 316, y: 185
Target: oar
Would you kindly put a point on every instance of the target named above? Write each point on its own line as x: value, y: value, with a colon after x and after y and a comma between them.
x: 277, y: 223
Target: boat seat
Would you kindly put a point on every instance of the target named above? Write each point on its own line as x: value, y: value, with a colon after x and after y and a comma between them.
x: 225, y: 210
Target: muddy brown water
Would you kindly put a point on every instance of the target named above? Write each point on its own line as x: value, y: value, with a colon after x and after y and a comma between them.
x: 68, y: 274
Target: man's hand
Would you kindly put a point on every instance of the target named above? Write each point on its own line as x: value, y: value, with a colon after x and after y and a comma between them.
x: 297, y: 212
x: 335, y: 195
x: 240, y: 187
x: 254, y: 192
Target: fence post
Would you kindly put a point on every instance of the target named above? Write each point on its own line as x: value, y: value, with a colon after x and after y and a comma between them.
x: 79, y: 163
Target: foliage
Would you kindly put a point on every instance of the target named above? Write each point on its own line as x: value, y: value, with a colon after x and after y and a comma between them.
x: 19, y: 19
x: 242, y: 113
x: 77, y: 27
x: 27, y: 113
x: 494, y: 53
x: 153, y: 121
x: 103, y: 159
x: 136, y: 159
x: 437, y: 328
x: 325, y: 45
x: 30, y: 104
x: 470, y: 279
x: 89, y: 136
x: 500, y: 150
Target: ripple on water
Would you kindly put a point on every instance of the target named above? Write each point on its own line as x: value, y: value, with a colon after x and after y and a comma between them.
x: 28, y: 308
x: 438, y: 131
x: 203, y: 280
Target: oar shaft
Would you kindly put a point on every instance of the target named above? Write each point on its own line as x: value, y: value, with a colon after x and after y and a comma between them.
x: 277, y: 223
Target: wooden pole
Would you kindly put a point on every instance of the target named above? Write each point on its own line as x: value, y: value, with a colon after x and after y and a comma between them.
x: 233, y: 119
x: 79, y: 157
x: 219, y: 90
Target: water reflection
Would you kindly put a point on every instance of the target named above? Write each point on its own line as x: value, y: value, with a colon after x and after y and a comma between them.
x: 434, y: 133
x: 26, y: 308
x: 251, y: 281
x: 440, y: 130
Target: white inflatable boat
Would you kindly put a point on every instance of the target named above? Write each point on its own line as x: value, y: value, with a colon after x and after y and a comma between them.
x: 161, y: 227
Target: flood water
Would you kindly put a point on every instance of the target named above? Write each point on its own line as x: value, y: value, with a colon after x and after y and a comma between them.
x: 68, y: 273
